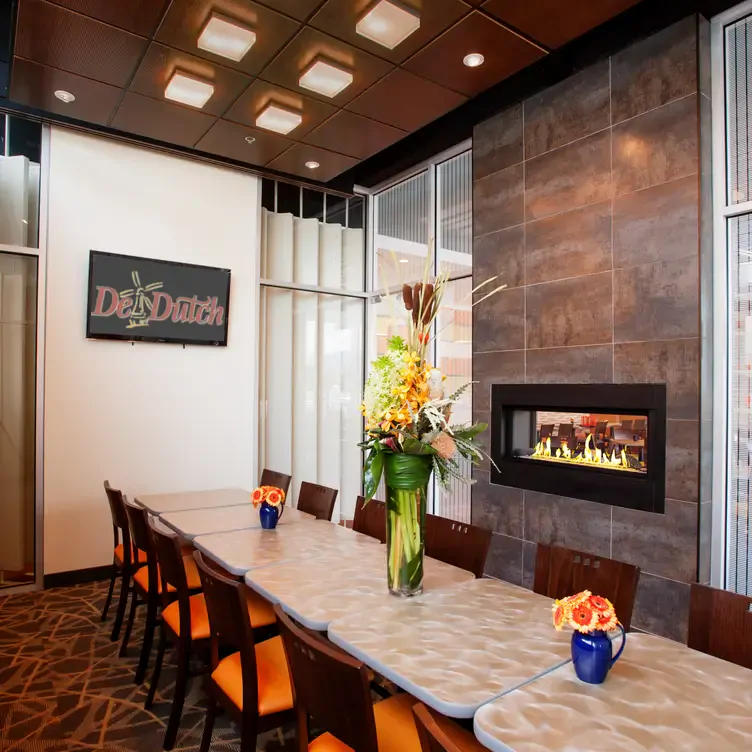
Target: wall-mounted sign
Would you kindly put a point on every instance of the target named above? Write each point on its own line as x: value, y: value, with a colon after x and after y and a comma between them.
x: 135, y: 298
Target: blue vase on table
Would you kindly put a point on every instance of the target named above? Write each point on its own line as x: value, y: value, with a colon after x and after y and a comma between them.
x: 592, y: 655
x: 269, y: 515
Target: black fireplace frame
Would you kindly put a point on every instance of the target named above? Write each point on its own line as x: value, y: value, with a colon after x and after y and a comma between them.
x: 644, y: 492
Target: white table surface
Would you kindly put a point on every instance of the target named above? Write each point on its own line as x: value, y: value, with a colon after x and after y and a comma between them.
x: 243, y: 550
x: 458, y: 648
x: 659, y: 696
x: 333, y: 585
x: 176, y: 502
x: 193, y: 522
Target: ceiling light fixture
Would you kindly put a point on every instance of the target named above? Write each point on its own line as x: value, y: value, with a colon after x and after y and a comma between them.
x: 65, y: 96
x: 388, y: 24
x: 403, y: 261
x: 473, y: 60
x: 311, y: 165
x: 279, y: 120
x: 326, y: 79
x: 188, y: 90
x: 250, y: 139
x: 225, y: 38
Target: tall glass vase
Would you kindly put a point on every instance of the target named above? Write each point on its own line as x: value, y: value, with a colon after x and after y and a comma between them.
x: 406, y: 478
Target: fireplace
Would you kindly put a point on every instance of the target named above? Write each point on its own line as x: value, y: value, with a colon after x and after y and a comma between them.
x: 600, y: 442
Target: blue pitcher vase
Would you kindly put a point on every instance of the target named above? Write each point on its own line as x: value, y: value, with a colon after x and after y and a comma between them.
x: 592, y: 655
x: 269, y: 515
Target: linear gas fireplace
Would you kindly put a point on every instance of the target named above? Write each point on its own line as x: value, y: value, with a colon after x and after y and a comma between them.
x: 601, y: 442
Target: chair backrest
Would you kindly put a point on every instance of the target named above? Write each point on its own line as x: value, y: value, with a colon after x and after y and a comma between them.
x: 627, y: 425
x: 464, y: 546
x: 117, y: 510
x: 141, y: 535
x: 565, y: 430
x: 601, y: 426
x: 172, y: 571
x: 330, y: 687
x: 560, y: 572
x: 720, y: 624
x: 278, y: 480
x: 317, y: 500
x: 370, y: 519
x: 432, y: 737
x: 640, y: 424
x: 546, y: 431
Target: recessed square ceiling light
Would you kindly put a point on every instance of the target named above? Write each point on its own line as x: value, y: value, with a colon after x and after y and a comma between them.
x: 388, y: 24
x: 326, y: 79
x: 274, y: 118
x: 188, y: 90
x: 224, y: 37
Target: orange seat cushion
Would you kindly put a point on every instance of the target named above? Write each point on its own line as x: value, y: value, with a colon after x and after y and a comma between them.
x: 119, y: 555
x: 191, y: 574
x: 260, y: 610
x: 274, y: 687
x: 395, y: 728
x: 199, y: 617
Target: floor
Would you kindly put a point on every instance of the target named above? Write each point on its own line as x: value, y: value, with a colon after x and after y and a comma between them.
x: 63, y: 686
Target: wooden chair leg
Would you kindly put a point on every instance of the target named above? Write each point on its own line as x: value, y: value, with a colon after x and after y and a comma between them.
x: 211, y: 714
x: 181, y: 682
x: 157, y: 668
x: 149, y: 626
x: 125, y: 579
x: 129, y: 625
x: 248, y: 738
x: 110, y: 591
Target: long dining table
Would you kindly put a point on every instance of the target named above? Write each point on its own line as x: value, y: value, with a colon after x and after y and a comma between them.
x: 157, y: 504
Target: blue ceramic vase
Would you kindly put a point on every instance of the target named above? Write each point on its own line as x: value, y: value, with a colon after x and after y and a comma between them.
x: 269, y: 515
x: 592, y: 655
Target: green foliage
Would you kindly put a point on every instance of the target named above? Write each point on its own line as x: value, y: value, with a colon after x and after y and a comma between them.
x: 372, y: 471
x: 397, y: 344
x: 415, y: 446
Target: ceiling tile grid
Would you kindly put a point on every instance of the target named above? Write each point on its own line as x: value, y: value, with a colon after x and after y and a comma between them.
x: 117, y: 58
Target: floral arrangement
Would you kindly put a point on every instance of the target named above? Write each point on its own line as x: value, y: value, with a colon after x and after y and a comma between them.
x: 273, y: 496
x: 585, y: 613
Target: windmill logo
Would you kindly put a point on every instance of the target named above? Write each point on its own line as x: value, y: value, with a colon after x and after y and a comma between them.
x: 142, y: 301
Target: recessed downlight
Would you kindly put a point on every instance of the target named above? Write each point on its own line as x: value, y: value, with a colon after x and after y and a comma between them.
x: 188, y: 90
x: 325, y: 78
x: 473, y: 60
x: 278, y: 119
x: 225, y: 38
x: 65, y: 96
x: 250, y: 139
x: 312, y: 165
x: 388, y: 23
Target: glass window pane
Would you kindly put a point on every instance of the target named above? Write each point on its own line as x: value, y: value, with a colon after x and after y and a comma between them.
x: 313, y: 204
x: 336, y: 210
x: 356, y: 213
x: 268, y: 192
x: 288, y: 199
x: 455, y: 215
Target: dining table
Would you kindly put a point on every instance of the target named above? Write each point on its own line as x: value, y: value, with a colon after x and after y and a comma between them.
x: 457, y: 648
x: 660, y: 695
x: 179, y: 501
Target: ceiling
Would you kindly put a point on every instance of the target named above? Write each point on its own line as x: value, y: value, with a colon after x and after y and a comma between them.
x: 117, y: 56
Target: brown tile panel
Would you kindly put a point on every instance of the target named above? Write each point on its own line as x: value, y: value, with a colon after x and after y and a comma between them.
x: 555, y: 22
x: 161, y: 62
x: 569, y: 245
x: 657, y: 224
x: 706, y: 537
x: 161, y: 120
x: 682, y: 459
x: 186, y: 19
x: 348, y: 133
x: 569, y: 177
x: 575, y: 108
x: 498, y: 201
x: 591, y: 364
x: 340, y: 17
x: 139, y: 16
x: 504, y: 561
x: 481, y: 470
x: 655, y: 71
x: 495, y: 368
x: 662, y: 607
x: 570, y: 312
x: 501, y: 255
x: 385, y: 101
x: 505, y: 53
x: 662, y: 544
x: 293, y: 162
x: 657, y: 301
x: 260, y: 93
x: 497, y: 508
x: 228, y: 140
x: 34, y: 85
x: 299, y: 9
x: 656, y: 147
x: 675, y: 363
x: 499, y: 321
x: 287, y: 68
x: 59, y: 38
x: 497, y: 142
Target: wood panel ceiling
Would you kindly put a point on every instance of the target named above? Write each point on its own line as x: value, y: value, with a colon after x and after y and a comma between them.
x: 116, y: 58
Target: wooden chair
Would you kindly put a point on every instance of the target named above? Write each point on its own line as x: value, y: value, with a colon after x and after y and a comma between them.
x: 370, y: 519
x: 147, y: 584
x: 439, y: 734
x: 332, y: 689
x: 560, y: 572
x: 253, y: 683
x: 317, y: 500
x: 463, y: 546
x: 184, y: 621
x: 720, y: 624
x: 546, y: 431
x: 124, y: 559
x: 278, y: 480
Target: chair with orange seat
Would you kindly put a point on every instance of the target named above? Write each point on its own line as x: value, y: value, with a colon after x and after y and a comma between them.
x: 278, y: 480
x: 317, y: 500
x: 464, y: 546
x: 147, y: 584
x: 333, y: 689
x: 440, y: 734
x: 184, y: 622
x: 252, y: 684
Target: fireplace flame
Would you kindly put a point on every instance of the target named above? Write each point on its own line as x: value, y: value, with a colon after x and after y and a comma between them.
x: 590, y: 455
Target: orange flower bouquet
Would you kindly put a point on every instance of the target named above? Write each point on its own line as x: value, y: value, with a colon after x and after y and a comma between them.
x: 592, y: 618
x: 271, y: 501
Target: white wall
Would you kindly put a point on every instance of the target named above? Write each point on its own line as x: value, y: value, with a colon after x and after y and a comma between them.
x: 147, y: 417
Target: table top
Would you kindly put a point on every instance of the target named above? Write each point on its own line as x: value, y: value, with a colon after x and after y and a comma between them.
x: 660, y: 695
x: 176, y: 502
x: 457, y: 648
x: 334, y: 585
x: 192, y: 522
x: 243, y: 550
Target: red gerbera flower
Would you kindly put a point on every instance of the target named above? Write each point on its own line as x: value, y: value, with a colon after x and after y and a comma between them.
x: 257, y: 496
x: 601, y: 604
x: 583, y: 618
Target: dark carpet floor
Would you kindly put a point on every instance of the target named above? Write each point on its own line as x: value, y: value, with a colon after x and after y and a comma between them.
x: 63, y: 686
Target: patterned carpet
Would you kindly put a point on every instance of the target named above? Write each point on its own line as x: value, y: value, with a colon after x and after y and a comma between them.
x: 63, y: 687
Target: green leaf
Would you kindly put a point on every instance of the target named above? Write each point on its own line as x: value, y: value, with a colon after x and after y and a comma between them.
x: 471, y: 431
x: 396, y: 343
x: 372, y: 471
x: 414, y: 446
